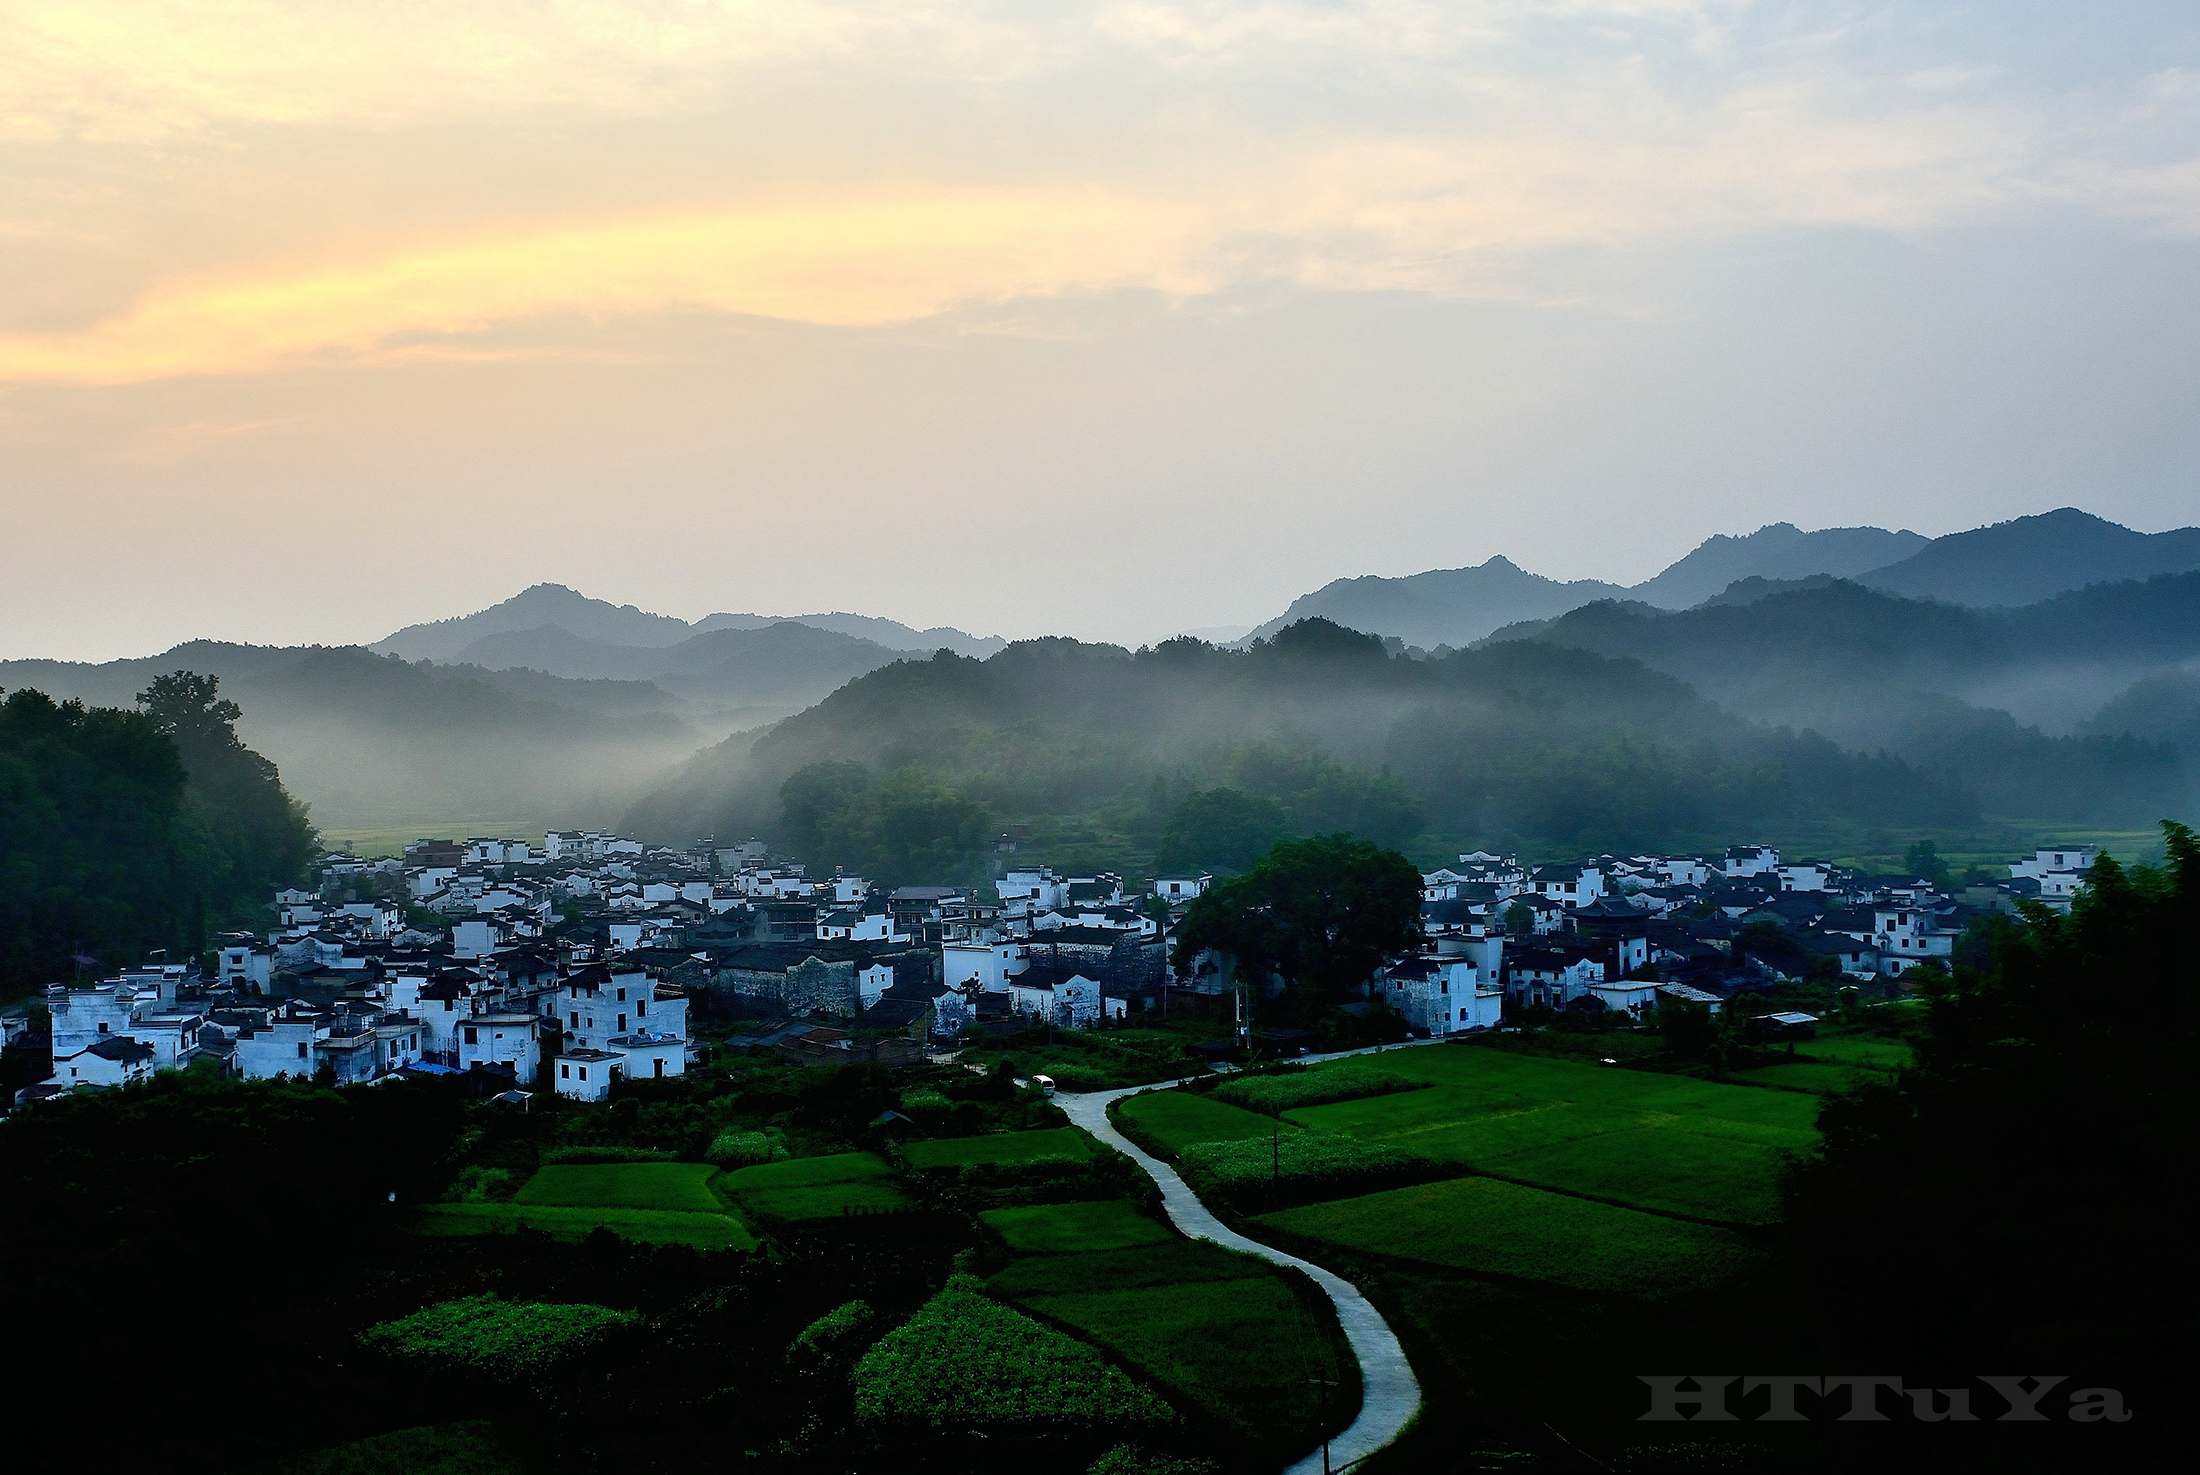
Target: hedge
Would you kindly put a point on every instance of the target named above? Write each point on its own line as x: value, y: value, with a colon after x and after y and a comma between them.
x: 965, y: 1363
x: 505, y: 1341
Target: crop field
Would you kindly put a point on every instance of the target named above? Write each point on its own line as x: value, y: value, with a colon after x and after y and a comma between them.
x: 717, y: 1230
x: 1076, y: 1228
x: 815, y: 1187
x: 678, y: 1186
x: 472, y: 1448
x: 1658, y: 1142
x: 1177, y: 1119
x: 1497, y: 1228
x: 1833, y: 1064
x: 1221, y: 1332
x: 1000, y: 1147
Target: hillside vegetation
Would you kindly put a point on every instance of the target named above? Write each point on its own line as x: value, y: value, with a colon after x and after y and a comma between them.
x: 1096, y: 750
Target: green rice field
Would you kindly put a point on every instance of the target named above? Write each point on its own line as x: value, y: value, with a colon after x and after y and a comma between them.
x: 1177, y: 1119
x: 717, y: 1230
x: 1076, y: 1228
x: 1000, y: 1147
x: 678, y: 1186
x: 1833, y: 1064
x: 1651, y: 1141
x: 1497, y: 1228
x: 809, y: 1188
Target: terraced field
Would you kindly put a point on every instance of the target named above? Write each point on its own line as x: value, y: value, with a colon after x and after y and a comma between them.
x: 1649, y: 1141
x: 1177, y: 1119
x: 654, y: 1203
x: 1076, y: 1228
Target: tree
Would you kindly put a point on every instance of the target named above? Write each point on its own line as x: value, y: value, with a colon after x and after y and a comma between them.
x: 1322, y: 913
x: 1923, y: 861
x: 1225, y: 829
x: 1520, y: 919
x: 2044, y: 1130
x: 261, y: 835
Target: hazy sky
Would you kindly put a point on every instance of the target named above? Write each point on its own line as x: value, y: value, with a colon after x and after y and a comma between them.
x: 1105, y: 319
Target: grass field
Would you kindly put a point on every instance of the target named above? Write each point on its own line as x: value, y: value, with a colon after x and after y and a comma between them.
x: 1177, y: 1119
x: 1833, y: 1063
x: 1481, y: 1224
x: 1654, y: 1141
x: 679, y: 1186
x: 1075, y: 1228
x: 1221, y: 1332
x: 1000, y: 1147
x: 716, y: 1230
x: 815, y: 1187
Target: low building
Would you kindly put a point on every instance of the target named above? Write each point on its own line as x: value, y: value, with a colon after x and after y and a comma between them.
x: 585, y: 1075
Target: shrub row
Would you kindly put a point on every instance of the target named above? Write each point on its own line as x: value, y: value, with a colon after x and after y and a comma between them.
x: 598, y: 1153
x: 508, y: 1342
x: 735, y: 1148
x: 1301, y: 1167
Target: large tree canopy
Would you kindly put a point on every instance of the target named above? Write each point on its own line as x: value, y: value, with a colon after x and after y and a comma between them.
x: 1321, y: 913
x: 2037, y: 1156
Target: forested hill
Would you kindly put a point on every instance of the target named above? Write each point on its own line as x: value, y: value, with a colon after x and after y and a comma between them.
x: 122, y: 831
x: 1098, y: 751
x: 1963, y: 689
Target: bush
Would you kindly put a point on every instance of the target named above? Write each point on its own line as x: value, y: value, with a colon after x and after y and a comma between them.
x: 479, y: 1185
x: 734, y: 1148
x: 1272, y: 1095
x: 965, y: 1363
x: 829, y: 1346
x: 600, y: 1154
x: 1252, y: 1176
x: 511, y: 1342
x: 1129, y: 1459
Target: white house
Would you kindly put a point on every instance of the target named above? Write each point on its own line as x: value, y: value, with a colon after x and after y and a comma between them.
x: 1628, y: 995
x: 2053, y: 858
x: 1681, y: 993
x: 644, y: 1055
x: 872, y: 982
x: 1569, y: 886
x: 114, y: 1061
x: 1173, y: 889
x: 247, y: 965
x: 1806, y: 876
x: 585, y: 1075
x: 1440, y: 996
x: 1075, y: 1001
x: 1907, y: 936
x: 1032, y: 888
x: 476, y: 937
x: 500, y: 1039
x: 990, y: 964
x: 1751, y: 860
x: 284, y: 1047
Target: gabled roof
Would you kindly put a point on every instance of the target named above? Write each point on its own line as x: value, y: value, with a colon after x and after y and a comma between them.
x: 121, y: 1049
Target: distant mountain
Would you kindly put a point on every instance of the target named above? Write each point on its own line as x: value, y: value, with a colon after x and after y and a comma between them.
x: 2033, y: 558
x: 1454, y: 606
x: 892, y: 634
x: 1780, y: 551
x: 784, y: 665
x: 599, y: 621
x: 531, y: 609
x: 1944, y: 686
x: 1460, y: 606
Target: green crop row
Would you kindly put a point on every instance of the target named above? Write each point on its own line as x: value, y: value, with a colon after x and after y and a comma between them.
x: 506, y: 1341
x: 965, y: 1362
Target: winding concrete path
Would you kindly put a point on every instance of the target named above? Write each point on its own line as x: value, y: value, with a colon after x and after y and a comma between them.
x: 1389, y: 1393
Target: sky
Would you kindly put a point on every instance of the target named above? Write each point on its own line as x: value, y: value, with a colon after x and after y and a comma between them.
x: 1108, y: 318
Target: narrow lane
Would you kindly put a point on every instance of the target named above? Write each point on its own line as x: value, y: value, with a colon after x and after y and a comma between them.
x: 1389, y: 1393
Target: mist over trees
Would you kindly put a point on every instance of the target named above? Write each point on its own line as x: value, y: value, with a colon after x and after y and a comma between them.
x: 1186, y: 755
x: 123, y: 831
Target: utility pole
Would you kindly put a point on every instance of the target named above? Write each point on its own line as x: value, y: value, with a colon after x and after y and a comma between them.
x: 1324, y: 1384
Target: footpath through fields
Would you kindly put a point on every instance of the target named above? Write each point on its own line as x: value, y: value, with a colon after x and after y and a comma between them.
x: 1389, y: 1393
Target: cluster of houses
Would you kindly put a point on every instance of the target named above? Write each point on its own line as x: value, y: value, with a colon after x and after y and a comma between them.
x: 1622, y: 933
x: 574, y: 964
